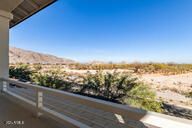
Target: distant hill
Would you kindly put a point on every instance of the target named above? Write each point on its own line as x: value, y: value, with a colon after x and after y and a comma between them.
x: 17, y: 55
x: 95, y: 62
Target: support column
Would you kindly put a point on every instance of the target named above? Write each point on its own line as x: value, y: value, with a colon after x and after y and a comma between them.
x: 5, y: 17
x: 39, y: 102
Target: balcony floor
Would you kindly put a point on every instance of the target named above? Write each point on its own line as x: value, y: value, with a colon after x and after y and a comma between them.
x: 11, y: 111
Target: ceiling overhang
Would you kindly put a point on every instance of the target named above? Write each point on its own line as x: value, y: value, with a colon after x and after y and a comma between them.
x: 28, y: 8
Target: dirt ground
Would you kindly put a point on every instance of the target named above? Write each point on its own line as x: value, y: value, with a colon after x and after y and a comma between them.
x: 176, y: 83
x: 170, y: 88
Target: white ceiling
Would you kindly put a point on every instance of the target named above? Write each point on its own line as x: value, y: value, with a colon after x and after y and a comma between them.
x: 27, y: 8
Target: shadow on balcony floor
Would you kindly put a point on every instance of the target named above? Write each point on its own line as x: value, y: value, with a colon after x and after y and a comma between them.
x: 11, y: 111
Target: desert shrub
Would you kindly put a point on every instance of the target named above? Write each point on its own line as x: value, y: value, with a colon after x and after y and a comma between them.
x: 20, y: 71
x: 189, y: 95
x: 169, y: 68
x: 158, y: 66
x: 142, y: 97
x: 121, y: 86
x: 37, y: 68
x: 109, y: 85
x: 50, y: 79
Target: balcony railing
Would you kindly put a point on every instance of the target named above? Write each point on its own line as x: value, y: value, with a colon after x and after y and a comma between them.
x: 84, y: 112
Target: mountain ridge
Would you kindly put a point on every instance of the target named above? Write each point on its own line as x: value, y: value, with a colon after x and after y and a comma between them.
x: 18, y: 55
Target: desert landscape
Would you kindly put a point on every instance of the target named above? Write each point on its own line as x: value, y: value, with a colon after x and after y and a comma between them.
x: 170, y: 88
x: 171, y: 82
x: 160, y: 87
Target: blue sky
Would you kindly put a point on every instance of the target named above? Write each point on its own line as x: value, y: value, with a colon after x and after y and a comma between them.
x: 110, y: 30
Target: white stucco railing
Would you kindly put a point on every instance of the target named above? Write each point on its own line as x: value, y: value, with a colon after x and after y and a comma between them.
x: 146, y: 117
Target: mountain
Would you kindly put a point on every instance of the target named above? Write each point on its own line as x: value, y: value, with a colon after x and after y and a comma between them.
x: 17, y: 55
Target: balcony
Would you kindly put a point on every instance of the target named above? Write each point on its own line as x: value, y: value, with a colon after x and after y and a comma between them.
x: 13, y: 111
x: 71, y: 110
x: 37, y: 106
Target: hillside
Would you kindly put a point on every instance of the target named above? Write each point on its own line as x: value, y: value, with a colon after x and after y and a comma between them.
x: 17, y: 55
